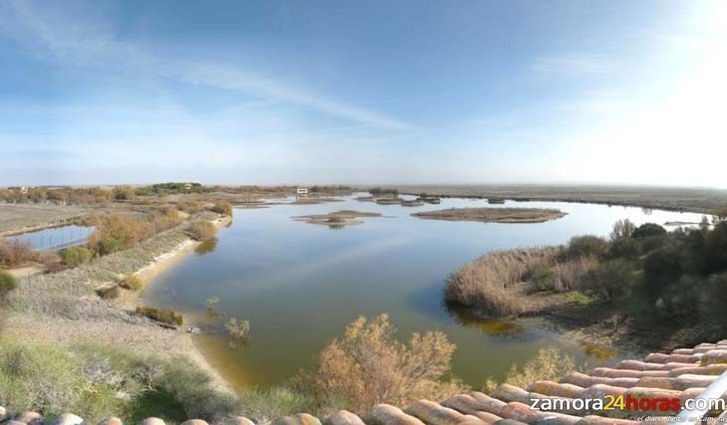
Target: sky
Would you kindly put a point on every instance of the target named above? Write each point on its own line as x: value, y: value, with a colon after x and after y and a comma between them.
x: 363, y: 92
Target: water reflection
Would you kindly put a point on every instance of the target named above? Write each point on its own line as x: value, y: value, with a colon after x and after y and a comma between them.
x: 487, y: 326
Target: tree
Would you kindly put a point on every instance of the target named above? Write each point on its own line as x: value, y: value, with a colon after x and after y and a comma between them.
x: 648, y: 230
x: 369, y: 366
x: 622, y: 229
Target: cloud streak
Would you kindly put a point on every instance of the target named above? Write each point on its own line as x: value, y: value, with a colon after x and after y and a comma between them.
x: 74, y: 42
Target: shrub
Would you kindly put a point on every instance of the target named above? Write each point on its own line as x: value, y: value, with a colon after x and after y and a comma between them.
x: 14, y: 253
x: 114, y: 233
x: 223, y: 208
x: 369, y: 366
x: 543, y: 278
x: 202, y: 230
x: 238, y: 330
x: 610, y: 279
x: 622, y: 229
x: 263, y: 405
x: 123, y: 193
x: 87, y: 380
x: 586, y: 246
x: 625, y: 248
x: 75, y: 256
x: 648, y: 230
x: 549, y: 364
x: 109, y: 293
x: 131, y: 282
x: 161, y: 315
x: 7, y: 284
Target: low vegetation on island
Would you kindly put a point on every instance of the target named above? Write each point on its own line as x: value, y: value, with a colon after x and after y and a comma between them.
x: 494, y: 215
x: 337, y: 219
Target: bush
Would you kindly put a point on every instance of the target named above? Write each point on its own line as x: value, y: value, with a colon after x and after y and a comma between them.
x: 87, y: 380
x: 131, y: 282
x: 611, y: 279
x: 549, y: 364
x: 223, y: 208
x: 543, y: 278
x: 586, y: 246
x: 648, y: 230
x: 123, y: 193
x: 7, y: 284
x: 238, y: 330
x: 625, y: 248
x: 202, y: 230
x: 109, y: 293
x: 75, y: 256
x: 14, y: 253
x: 263, y: 405
x: 161, y: 315
x: 114, y: 233
x: 622, y: 229
x: 369, y: 366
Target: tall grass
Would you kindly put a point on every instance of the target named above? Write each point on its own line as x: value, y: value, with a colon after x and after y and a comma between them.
x: 499, y: 282
x: 93, y: 381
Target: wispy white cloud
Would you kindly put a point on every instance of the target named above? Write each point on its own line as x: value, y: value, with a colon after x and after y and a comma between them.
x: 70, y: 40
x: 574, y: 64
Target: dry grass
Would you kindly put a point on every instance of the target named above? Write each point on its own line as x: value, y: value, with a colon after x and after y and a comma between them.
x: 494, y: 215
x: 502, y: 283
x: 26, y: 216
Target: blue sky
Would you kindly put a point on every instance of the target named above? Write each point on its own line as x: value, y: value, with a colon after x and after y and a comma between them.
x: 624, y: 92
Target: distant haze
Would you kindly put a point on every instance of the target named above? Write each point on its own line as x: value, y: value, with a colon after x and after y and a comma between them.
x: 380, y: 91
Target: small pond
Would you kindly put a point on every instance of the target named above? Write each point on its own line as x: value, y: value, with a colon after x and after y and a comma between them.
x: 56, y: 238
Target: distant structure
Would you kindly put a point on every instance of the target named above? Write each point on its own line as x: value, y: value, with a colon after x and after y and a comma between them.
x: 24, y: 190
x: 302, y: 192
x: 188, y: 187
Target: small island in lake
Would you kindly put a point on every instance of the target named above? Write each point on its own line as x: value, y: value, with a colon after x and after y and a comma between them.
x: 494, y: 215
x: 337, y: 219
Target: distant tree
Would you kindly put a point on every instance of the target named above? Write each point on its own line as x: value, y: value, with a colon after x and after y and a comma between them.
x: 648, y: 230
x: 622, y: 229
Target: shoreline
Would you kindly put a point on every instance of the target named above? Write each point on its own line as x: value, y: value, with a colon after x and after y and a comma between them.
x: 151, y: 271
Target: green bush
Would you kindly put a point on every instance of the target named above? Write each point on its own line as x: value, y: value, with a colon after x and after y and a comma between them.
x: 161, y: 315
x: 543, y: 278
x: 625, y: 248
x: 648, y: 230
x: 611, y: 279
x: 262, y: 405
x: 86, y: 379
x: 7, y: 284
x: 586, y: 246
x: 202, y: 230
x: 76, y: 255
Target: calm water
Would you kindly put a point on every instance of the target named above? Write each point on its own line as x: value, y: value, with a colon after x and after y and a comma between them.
x: 56, y: 237
x: 299, y: 284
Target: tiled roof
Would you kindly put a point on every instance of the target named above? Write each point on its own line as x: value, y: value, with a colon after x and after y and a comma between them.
x: 682, y: 375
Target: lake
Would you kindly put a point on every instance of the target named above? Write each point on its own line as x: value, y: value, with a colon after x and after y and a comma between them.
x: 299, y: 284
